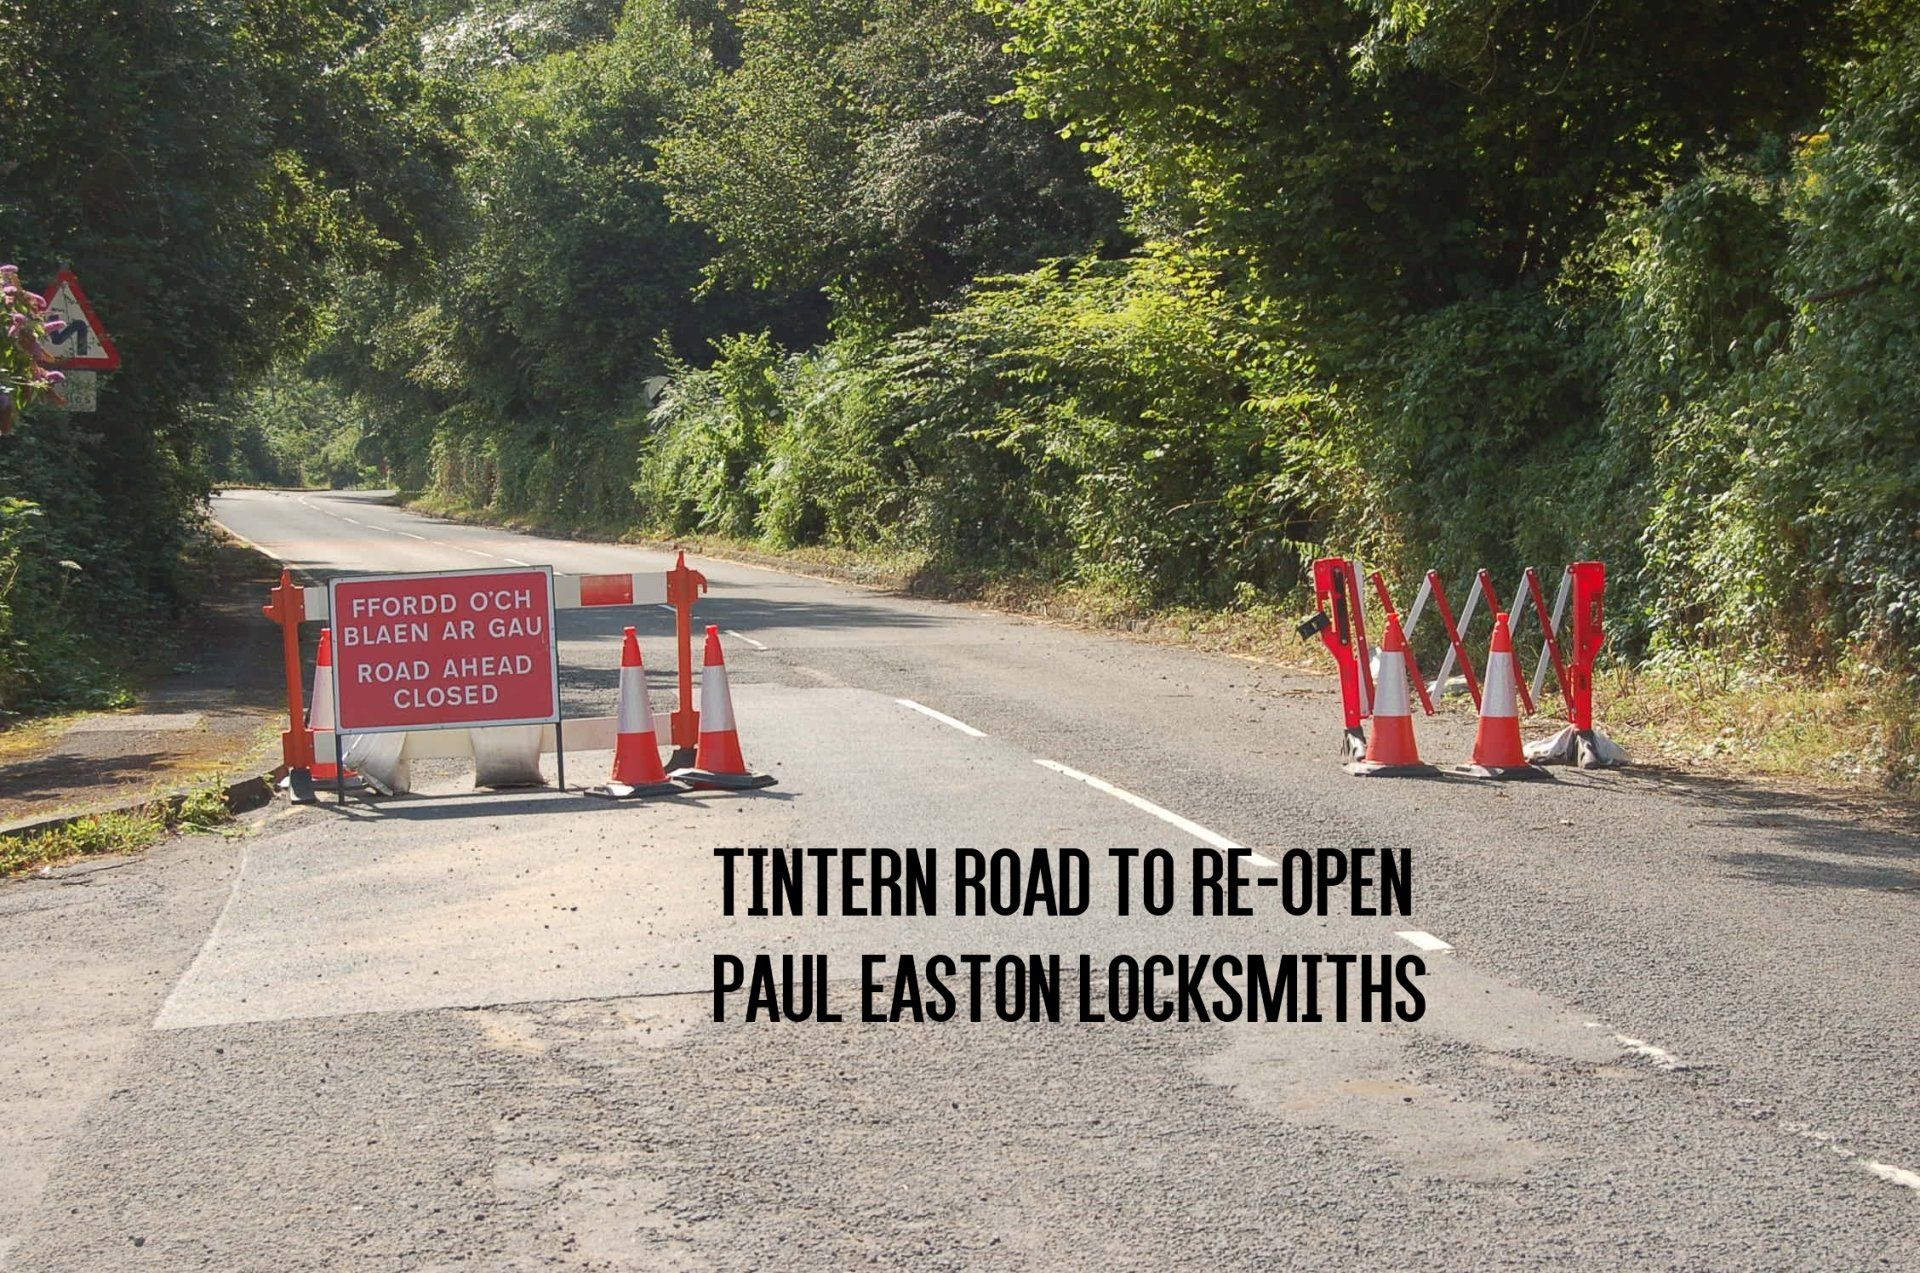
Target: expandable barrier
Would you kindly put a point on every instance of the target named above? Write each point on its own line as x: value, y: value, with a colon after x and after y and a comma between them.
x: 1340, y: 622
x: 503, y: 748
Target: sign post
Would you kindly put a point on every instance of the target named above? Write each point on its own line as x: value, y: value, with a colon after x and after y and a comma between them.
x: 288, y: 609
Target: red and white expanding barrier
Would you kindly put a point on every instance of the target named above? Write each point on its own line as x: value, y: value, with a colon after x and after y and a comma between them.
x: 1340, y: 622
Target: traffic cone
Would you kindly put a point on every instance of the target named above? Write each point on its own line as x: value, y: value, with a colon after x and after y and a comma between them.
x: 320, y: 717
x: 1497, y: 750
x: 718, y: 763
x: 1391, y: 753
x: 637, y: 770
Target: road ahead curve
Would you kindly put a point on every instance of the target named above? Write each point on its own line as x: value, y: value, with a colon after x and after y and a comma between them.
x: 1671, y: 1021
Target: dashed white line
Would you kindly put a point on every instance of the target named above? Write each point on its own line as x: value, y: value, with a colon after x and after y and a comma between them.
x: 515, y: 561
x: 1191, y: 827
x: 741, y: 636
x: 942, y: 717
x: 410, y: 535
x: 1893, y: 1175
x: 1425, y: 941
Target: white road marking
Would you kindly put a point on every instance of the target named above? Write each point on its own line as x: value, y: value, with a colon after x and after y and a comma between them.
x: 259, y: 548
x: 1425, y: 941
x: 1659, y: 1056
x: 410, y: 535
x: 350, y: 521
x: 1893, y: 1175
x: 924, y: 710
x: 1192, y: 828
x: 475, y: 552
x: 741, y: 636
x: 516, y: 561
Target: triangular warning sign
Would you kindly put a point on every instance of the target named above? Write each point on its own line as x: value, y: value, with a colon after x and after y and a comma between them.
x: 83, y: 344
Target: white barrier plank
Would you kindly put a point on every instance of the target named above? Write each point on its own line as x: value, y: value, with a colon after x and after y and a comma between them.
x: 583, y: 733
x: 570, y: 592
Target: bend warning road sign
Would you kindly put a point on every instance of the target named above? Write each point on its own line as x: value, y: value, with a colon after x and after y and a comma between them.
x: 438, y: 651
x: 83, y: 344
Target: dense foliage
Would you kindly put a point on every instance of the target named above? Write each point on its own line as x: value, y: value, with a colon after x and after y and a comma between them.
x: 202, y: 167
x: 1164, y: 298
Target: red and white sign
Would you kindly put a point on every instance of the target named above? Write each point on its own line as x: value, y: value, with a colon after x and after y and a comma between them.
x: 83, y: 344
x: 437, y: 651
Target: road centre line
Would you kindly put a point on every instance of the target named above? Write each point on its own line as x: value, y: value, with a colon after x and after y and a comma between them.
x: 410, y: 535
x: 1425, y: 941
x: 942, y: 717
x: 1192, y: 828
x: 515, y: 561
x: 741, y: 636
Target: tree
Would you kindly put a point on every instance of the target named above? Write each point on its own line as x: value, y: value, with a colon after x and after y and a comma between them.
x: 1378, y: 159
x: 866, y: 146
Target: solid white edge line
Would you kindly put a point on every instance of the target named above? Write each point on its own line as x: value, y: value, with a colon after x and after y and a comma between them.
x: 1191, y: 827
x: 1424, y: 940
x: 741, y: 636
x: 924, y: 710
x: 1893, y: 1175
x: 262, y: 549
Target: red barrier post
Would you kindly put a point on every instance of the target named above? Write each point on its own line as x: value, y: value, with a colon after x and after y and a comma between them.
x: 289, y: 609
x: 1519, y: 677
x: 1589, y: 634
x: 1331, y: 591
x: 683, y: 585
x: 1361, y: 649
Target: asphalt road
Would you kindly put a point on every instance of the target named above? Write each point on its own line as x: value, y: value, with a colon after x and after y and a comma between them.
x: 1671, y: 1022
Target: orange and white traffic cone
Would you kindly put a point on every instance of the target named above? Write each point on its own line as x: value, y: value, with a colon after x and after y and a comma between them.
x: 718, y: 763
x: 637, y: 770
x: 320, y: 716
x: 1391, y: 752
x: 1497, y: 749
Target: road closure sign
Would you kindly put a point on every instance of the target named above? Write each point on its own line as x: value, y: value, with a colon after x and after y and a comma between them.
x: 455, y: 649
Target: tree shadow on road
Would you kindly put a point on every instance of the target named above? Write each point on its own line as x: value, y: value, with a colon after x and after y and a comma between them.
x: 1798, y: 838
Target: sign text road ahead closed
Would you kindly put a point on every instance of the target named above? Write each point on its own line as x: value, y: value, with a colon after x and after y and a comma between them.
x: 431, y: 651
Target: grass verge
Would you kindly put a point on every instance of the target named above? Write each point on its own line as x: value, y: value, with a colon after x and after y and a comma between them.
x: 128, y: 831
